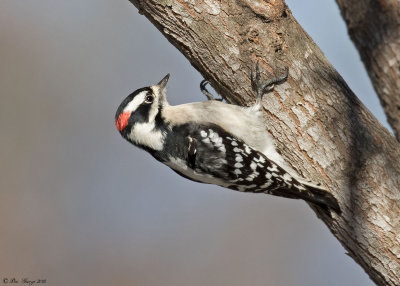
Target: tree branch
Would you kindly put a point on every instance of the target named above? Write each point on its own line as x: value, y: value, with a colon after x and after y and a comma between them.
x: 374, y: 27
x: 318, y: 123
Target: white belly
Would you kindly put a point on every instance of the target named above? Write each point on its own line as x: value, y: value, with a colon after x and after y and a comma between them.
x: 181, y: 166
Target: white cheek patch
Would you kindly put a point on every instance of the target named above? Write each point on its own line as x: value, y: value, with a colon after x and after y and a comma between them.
x: 145, y: 134
x: 134, y: 104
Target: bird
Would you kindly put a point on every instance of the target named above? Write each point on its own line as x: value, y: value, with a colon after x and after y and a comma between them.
x: 214, y: 142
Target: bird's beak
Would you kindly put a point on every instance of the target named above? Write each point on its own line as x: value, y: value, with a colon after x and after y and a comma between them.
x: 163, y: 82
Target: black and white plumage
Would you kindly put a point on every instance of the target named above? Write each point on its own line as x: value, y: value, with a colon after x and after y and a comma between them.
x: 214, y: 142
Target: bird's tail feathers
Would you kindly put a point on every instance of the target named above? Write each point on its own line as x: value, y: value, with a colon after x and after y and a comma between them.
x: 319, y: 195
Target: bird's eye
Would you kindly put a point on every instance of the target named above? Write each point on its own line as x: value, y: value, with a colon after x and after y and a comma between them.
x: 149, y: 99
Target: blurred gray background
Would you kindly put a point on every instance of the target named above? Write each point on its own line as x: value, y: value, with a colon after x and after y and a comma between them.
x: 80, y: 206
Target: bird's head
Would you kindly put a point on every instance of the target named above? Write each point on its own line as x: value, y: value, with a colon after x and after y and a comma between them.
x: 138, y: 118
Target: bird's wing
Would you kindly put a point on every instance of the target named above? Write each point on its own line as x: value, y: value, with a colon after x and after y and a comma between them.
x: 241, y: 167
x: 211, y: 150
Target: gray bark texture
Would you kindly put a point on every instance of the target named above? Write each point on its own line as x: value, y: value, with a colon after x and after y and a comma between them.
x: 374, y: 27
x: 319, y: 125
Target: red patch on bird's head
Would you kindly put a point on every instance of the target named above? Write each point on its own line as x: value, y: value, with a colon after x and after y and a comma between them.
x: 122, y: 120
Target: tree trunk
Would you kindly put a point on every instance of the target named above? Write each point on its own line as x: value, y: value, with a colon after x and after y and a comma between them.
x: 374, y: 27
x: 318, y: 123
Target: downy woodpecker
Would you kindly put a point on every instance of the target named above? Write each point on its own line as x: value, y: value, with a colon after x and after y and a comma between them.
x: 214, y: 142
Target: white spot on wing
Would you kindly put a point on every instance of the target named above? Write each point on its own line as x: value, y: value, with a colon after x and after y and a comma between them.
x: 287, y: 178
x: 206, y: 140
x: 222, y: 149
x: 266, y: 185
x: 212, y: 134
x: 252, y: 176
x: 274, y: 168
x: 238, y: 165
x: 217, y: 141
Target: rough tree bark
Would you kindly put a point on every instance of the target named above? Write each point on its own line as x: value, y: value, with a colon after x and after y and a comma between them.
x: 319, y: 124
x: 374, y: 27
